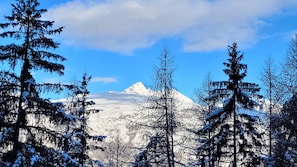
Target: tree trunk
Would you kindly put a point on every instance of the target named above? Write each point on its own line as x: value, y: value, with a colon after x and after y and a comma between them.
x: 234, y: 127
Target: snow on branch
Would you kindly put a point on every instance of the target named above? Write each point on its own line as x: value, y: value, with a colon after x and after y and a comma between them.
x: 6, y: 133
x: 214, y: 113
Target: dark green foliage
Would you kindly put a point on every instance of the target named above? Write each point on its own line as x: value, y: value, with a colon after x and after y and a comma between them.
x: 231, y: 130
x: 32, y: 36
x: 26, y: 141
x: 78, y: 134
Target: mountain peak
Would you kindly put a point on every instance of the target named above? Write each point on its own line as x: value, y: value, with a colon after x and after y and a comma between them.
x: 138, y: 87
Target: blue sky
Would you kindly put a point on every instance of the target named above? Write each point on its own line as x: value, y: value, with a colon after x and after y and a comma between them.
x: 118, y: 41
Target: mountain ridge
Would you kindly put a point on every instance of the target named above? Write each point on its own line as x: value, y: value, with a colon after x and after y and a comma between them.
x: 137, y: 87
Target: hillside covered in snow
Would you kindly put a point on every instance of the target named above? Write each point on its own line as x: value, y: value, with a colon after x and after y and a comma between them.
x: 123, y: 118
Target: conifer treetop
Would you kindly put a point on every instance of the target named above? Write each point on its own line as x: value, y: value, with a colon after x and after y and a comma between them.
x: 31, y: 38
x: 235, y: 70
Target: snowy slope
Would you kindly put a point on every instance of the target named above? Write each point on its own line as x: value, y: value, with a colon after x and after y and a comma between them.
x: 121, y: 111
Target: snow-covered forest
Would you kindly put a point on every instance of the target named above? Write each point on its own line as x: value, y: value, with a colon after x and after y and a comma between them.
x: 232, y: 123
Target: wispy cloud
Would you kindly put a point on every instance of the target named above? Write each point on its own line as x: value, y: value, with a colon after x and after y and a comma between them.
x: 203, y: 25
x: 104, y: 79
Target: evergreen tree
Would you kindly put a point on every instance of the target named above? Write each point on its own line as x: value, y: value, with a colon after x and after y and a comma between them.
x: 25, y: 140
x: 78, y: 133
x: 233, y: 127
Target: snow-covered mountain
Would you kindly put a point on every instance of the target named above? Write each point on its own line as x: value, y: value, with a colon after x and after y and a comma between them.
x: 122, y: 111
x: 138, y: 88
x: 122, y: 114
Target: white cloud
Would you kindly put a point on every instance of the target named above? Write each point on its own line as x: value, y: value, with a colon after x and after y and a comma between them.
x: 125, y: 25
x: 104, y: 79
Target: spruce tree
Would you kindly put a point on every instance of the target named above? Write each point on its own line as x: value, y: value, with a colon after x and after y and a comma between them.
x: 233, y: 127
x: 79, y: 137
x: 30, y: 136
